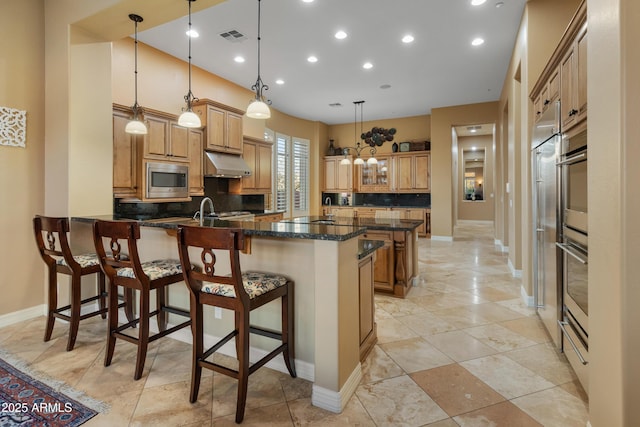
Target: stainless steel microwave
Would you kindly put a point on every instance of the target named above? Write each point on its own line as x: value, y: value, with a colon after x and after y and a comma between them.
x: 167, y: 180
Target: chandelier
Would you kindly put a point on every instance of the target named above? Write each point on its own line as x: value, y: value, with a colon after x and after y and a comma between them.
x: 360, y: 145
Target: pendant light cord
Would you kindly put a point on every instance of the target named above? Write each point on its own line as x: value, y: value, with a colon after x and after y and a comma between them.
x: 136, y: 107
x: 189, y: 97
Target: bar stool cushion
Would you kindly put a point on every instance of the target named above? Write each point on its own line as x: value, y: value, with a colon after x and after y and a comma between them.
x: 85, y: 260
x: 255, y: 284
x: 155, y: 269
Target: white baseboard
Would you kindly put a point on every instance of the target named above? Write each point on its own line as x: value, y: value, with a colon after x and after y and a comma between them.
x: 498, y: 243
x: 22, y: 315
x: 514, y: 272
x: 335, y: 401
x: 442, y: 238
x: 528, y: 300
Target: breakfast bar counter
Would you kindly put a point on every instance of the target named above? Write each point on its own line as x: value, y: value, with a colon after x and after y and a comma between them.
x: 325, y: 262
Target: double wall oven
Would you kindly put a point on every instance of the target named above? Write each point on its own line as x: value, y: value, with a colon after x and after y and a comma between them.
x: 574, y: 247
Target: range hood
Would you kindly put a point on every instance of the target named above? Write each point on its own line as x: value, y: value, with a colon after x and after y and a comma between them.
x: 225, y: 165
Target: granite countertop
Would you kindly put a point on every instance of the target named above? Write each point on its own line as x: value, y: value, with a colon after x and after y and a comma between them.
x: 366, y: 223
x: 282, y: 229
x: 377, y: 206
x: 367, y: 246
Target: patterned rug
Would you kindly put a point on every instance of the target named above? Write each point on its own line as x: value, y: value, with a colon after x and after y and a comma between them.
x: 26, y: 401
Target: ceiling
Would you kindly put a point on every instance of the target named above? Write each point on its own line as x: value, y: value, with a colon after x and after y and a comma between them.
x: 439, y: 68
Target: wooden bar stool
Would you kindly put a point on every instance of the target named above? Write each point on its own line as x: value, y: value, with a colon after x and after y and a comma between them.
x: 132, y: 274
x: 240, y: 292
x: 57, y: 255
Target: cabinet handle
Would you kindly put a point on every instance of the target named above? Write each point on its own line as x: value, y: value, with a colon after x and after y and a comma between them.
x: 547, y: 102
x: 573, y: 112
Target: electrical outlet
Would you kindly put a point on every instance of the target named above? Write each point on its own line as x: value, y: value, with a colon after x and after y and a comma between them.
x: 217, y: 312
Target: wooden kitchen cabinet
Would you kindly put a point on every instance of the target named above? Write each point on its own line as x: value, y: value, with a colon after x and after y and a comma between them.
x: 384, y: 265
x: 258, y: 155
x: 196, y: 166
x: 223, y: 126
x: 573, y: 91
x: 368, y: 334
x: 165, y: 140
x: 417, y: 214
x: 269, y: 218
x: 374, y: 178
x: 124, y: 155
x: 549, y: 93
x: 338, y: 177
x: 412, y: 172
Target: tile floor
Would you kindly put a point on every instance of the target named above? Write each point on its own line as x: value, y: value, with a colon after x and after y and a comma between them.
x: 461, y: 350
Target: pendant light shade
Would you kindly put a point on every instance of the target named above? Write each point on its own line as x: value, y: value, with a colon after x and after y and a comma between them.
x: 359, y: 145
x: 188, y: 118
x: 135, y: 125
x: 259, y: 107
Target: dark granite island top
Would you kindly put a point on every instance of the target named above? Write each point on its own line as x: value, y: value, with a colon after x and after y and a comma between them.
x: 367, y: 223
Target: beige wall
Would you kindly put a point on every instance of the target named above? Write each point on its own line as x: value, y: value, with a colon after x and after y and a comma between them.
x: 442, y: 122
x: 22, y: 169
x: 482, y: 210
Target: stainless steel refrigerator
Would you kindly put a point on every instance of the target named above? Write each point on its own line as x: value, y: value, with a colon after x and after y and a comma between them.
x: 547, y: 287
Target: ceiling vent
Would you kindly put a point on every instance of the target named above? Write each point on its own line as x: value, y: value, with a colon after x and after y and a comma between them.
x: 233, y: 36
x: 474, y: 128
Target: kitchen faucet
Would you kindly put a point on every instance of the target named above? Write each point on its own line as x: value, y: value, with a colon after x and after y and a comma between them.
x: 201, y: 211
x: 328, y: 201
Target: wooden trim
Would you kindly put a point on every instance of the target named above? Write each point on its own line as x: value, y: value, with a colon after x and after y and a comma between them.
x: 206, y: 101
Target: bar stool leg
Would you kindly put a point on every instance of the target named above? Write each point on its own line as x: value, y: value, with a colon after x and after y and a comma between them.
x: 112, y: 323
x: 102, y: 292
x: 74, y: 321
x: 243, y: 362
x: 143, y: 334
x: 287, y: 330
x: 160, y: 304
x: 53, y: 302
x: 197, y: 349
x: 129, y: 301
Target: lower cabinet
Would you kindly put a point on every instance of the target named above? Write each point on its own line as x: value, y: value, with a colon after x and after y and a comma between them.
x: 384, y: 266
x: 368, y: 335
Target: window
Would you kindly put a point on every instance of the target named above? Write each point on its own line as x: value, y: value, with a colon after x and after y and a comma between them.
x: 291, y: 166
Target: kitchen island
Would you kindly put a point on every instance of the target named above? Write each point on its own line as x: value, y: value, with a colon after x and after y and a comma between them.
x: 325, y: 261
x: 396, y: 265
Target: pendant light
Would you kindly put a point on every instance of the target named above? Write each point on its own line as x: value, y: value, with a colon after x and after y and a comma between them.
x: 188, y: 118
x: 359, y: 145
x: 259, y: 108
x: 135, y: 125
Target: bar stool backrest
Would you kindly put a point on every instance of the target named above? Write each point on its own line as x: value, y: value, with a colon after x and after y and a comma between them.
x: 55, y: 230
x: 115, y: 233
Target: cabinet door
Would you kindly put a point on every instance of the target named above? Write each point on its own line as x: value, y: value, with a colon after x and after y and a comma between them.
x: 156, y: 140
x: 196, y: 172
x: 263, y: 164
x: 249, y: 156
x: 567, y: 111
x: 365, y: 269
x: 404, y: 179
x: 330, y: 173
x: 581, y: 74
x: 215, y: 128
x: 178, y: 143
x: 421, y: 174
x: 384, y: 266
x: 344, y: 176
x: 234, y: 133
x: 417, y: 214
x: 554, y: 85
x: 124, y: 158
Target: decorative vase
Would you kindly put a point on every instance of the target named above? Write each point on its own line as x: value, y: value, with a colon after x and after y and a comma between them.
x: 332, y: 150
x: 394, y: 147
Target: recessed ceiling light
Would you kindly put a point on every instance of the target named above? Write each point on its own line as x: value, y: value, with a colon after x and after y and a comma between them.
x: 340, y: 35
x: 477, y: 41
x: 473, y: 131
x: 308, y: 1
x: 192, y: 33
x: 312, y: 59
x: 477, y: 2
x: 279, y: 82
x: 407, y: 39
x: 473, y: 148
x: 367, y: 65
x: 239, y: 59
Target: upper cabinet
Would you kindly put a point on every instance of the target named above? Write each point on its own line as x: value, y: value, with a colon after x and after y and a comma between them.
x: 258, y: 155
x: 412, y: 172
x: 124, y: 155
x: 222, y: 126
x: 338, y: 177
x: 195, y: 139
x: 374, y: 178
x: 568, y: 64
x: 165, y: 140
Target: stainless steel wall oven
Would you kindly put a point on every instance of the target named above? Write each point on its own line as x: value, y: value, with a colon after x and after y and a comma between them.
x: 574, y: 246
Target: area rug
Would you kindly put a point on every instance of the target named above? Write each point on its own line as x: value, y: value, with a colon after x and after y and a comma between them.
x: 26, y: 401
